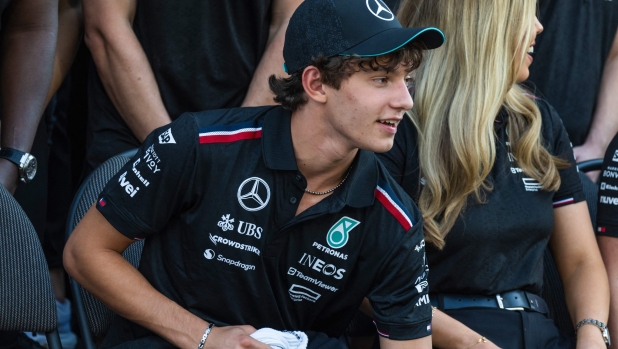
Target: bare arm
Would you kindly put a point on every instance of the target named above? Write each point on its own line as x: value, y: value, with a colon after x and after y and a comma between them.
x: 609, y: 252
x: 581, y: 269
x: 272, y: 60
x: 424, y: 342
x: 70, y: 25
x: 450, y: 333
x: 123, y: 66
x: 94, y: 243
x: 28, y: 41
x: 605, y: 120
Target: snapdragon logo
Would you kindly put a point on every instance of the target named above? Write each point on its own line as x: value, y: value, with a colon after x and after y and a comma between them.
x: 339, y: 233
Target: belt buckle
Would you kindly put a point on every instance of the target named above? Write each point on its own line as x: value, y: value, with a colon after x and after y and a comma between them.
x: 501, y: 305
x: 499, y: 299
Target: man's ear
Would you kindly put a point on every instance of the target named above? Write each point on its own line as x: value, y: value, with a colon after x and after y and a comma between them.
x: 313, y: 85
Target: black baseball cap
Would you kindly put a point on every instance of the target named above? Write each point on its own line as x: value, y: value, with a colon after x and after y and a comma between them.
x: 365, y: 28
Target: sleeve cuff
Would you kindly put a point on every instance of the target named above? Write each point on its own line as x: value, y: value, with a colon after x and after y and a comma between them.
x: 568, y: 199
x: 120, y: 221
x: 607, y: 229
x: 404, y: 332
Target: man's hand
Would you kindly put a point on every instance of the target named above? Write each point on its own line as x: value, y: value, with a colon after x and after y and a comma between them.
x: 587, y: 152
x: 234, y: 337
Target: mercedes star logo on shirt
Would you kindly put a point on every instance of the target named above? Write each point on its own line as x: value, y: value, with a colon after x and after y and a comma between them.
x: 379, y: 9
x: 253, y: 194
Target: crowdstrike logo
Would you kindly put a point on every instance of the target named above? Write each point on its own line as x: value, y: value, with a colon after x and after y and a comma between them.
x: 339, y: 233
x: 379, y: 9
x: 216, y: 238
x: 253, y: 194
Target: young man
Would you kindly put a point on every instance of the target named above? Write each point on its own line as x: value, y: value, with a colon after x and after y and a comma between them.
x: 274, y: 217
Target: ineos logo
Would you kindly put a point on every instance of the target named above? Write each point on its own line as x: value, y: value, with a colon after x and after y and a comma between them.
x: 209, y: 254
x: 253, y: 194
x: 379, y: 9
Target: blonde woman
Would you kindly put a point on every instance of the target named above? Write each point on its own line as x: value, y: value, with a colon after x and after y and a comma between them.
x: 497, y: 184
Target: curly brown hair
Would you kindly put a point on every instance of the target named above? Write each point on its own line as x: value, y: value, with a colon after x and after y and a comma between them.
x: 289, y: 92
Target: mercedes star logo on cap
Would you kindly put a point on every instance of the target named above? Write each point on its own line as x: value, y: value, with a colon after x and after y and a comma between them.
x: 379, y: 9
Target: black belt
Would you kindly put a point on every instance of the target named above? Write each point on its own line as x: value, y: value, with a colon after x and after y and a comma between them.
x: 513, y: 300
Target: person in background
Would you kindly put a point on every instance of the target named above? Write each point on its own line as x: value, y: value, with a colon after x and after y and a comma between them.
x: 28, y: 40
x: 494, y: 174
x: 580, y: 36
x: 607, y: 226
x: 157, y: 59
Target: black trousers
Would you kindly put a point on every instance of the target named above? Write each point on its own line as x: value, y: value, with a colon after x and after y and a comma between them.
x: 512, y: 329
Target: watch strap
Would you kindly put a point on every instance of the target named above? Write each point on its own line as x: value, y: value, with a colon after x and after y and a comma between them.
x: 13, y: 155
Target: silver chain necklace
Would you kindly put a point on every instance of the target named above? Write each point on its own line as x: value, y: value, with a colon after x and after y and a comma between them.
x: 332, y: 189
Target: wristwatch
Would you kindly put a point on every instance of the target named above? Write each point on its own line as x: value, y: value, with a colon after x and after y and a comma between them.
x: 598, y: 324
x: 25, y: 162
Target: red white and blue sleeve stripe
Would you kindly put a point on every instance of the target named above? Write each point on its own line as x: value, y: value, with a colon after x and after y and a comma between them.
x: 564, y: 202
x: 384, y: 193
x: 230, y: 133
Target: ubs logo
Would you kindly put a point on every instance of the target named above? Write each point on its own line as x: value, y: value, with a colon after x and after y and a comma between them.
x: 253, y: 194
x: 379, y: 9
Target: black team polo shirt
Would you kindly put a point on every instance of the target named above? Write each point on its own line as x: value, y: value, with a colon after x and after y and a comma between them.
x: 497, y: 246
x: 215, y: 195
x: 607, y: 209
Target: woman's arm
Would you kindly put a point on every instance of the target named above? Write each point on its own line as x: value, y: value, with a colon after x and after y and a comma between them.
x: 449, y: 333
x: 581, y: 268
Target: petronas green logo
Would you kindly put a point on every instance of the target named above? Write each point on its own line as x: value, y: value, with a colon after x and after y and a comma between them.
x: 340, y: 232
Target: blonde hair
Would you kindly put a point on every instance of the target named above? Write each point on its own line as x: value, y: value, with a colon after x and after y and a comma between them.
x: 460, y: 89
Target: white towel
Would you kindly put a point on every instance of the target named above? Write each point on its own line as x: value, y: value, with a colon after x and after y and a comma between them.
x: 281, y: 339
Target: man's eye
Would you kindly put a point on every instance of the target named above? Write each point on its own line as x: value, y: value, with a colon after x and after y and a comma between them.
x: 380, y: 80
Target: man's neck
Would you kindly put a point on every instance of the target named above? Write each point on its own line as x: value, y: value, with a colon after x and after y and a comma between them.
x: 322, y: 157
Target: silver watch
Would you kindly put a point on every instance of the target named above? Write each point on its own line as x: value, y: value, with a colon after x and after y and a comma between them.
x: 26, y: 163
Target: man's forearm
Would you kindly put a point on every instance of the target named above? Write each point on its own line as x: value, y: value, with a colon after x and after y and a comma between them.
x: 272, y: 60
x: 605, y: 119
x: 70, y: 27
x: 124, y: 69
x: 28, y: 45
x: 118, y: 283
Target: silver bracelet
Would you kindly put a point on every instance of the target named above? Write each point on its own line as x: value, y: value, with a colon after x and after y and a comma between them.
x: 206, y: 333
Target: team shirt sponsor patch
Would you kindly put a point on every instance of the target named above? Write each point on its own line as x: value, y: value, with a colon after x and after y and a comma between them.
x: 167, y: 137
x: 615, y: 158
x: 218, y: 239
x: 299, y: 293
x: 387, y: 197
x: 339, y: 233
x: 253, y: 194
x: 230, y: 133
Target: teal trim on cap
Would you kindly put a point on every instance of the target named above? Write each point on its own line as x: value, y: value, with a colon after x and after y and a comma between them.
x: 402, y: 45
x: 285, y: 68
